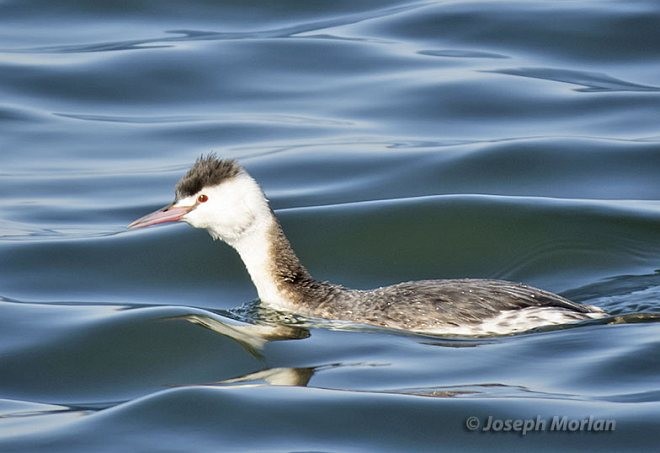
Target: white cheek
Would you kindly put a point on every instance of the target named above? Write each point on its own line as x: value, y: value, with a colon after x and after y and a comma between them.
x: 231, y: 209
x: 196, y: 218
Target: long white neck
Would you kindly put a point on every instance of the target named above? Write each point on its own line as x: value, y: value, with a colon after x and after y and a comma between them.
x: 273, y: 266
x: 238, y: 213
x: 256, y: 251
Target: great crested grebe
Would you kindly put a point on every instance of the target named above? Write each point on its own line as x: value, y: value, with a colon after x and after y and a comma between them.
x: 220, y: 196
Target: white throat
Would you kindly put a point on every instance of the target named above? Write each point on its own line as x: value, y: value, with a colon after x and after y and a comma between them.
x: 237, y: 212
x: 256, y: 250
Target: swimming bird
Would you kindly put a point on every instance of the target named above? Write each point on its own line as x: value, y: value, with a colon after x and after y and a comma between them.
x: 220, y: 196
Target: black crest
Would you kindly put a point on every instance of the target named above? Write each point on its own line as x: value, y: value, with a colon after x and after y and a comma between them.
x: 207, y: 171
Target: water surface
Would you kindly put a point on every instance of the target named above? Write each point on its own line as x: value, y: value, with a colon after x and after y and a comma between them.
x: 396, y: 141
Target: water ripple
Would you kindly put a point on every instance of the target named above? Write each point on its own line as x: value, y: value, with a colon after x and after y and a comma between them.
x: 201, y: 35
x: 593, y: 82
x: 217, y: 119
x: 461, y: 53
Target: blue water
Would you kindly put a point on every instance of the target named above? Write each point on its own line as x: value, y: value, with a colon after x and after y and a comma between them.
x: 396, y: 141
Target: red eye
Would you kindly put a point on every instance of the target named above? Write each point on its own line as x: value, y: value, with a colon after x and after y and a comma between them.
x: 202, y: 198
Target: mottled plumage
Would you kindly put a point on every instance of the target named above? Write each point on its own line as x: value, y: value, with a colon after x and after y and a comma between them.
x: 450, y: 306
x: 220, y: 196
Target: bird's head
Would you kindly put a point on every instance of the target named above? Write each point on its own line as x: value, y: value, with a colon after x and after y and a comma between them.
x: 215, y: 194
